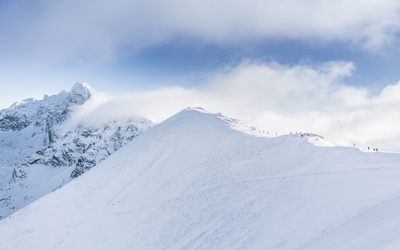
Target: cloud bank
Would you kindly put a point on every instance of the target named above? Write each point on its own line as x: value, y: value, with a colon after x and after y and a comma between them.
x: 279, y: 99
x: 83, y: 30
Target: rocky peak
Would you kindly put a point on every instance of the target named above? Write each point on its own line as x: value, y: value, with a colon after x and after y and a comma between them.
x: 55, y: 108
x: 38, y: 154
x: 81, y: 92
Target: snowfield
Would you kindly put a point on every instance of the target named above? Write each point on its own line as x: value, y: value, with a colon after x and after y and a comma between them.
x: 196, y: 182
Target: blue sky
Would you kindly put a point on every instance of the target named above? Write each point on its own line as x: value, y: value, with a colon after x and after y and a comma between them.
x: 124, y: 45
x: 373, y: 69
x: 176, y: 51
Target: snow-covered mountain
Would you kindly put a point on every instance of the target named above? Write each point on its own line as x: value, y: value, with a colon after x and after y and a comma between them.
x: 37, y: 153
x: 196, y: 182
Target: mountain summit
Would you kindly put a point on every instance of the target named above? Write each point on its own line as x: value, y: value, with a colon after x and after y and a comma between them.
x: 194, y: 182
x: 51, y: 110
x: 82, y: 92
x: 38, y: 154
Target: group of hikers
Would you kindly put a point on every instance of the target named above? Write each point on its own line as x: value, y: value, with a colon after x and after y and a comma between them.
x: 375, y: 149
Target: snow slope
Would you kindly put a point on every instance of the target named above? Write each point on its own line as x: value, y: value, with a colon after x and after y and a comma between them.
x: 194, y: 182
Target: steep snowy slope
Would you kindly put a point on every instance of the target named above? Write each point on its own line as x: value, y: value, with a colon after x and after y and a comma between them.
x: 193, y: 182
x: 38, y: 155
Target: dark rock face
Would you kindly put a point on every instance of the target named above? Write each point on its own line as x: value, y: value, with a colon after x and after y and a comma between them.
x: 84, y: 147
x: 13, y: 122
x: 82, y: 166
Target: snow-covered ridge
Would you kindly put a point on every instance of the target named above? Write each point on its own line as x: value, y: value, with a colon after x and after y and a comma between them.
x: 51, y: 110
x: 233, y: 123
x: 193, y: 182
x: 238, y: 125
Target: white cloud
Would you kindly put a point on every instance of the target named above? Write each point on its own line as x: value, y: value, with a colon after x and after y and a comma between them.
x: 280, y: 99
x: 276, y: 97
x: 84, y: 30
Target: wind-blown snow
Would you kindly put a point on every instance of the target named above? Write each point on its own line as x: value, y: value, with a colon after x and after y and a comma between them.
x: 193, y: 182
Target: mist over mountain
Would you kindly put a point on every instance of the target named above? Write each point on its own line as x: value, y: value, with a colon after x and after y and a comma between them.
x: 39, y: 154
